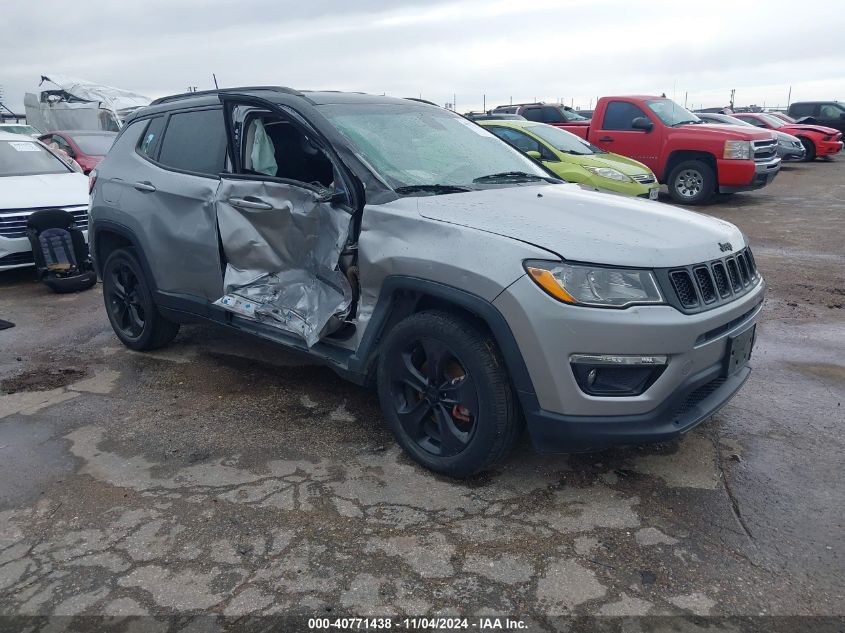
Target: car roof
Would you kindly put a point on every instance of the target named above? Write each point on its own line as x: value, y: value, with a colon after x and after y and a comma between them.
x: 8, y: 136
x: 274, y: 93
x: 80, y: 132
x: 510, y: 122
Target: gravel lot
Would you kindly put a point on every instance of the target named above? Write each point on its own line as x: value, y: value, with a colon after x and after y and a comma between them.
x: 222, y: 475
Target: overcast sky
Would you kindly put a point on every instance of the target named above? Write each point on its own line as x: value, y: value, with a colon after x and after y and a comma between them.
x: 574, y: 50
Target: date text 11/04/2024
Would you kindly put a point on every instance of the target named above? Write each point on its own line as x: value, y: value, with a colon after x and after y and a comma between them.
x: 418, y: 624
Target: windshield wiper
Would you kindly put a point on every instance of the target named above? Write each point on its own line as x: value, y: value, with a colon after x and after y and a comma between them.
x: 684, y: 122
x: 432, y: 189
x: 512, y: 176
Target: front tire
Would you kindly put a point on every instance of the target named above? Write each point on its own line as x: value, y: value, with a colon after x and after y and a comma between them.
x: 692, y: 182
x: 809, y: 149
x: 446, y: 395
x: 129, y: 304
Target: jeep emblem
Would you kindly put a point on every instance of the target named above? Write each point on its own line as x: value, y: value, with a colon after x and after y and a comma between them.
x: 725, y: 247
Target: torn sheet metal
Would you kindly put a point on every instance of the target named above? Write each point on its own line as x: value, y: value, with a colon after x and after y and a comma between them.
x: 67, y: 103
x: 282, y: 262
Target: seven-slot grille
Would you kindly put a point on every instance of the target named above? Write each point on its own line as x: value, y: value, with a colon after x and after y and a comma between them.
x: 765, y: 150
x: 643, y: 179
x: 13, y: 221
x: 706, y: 285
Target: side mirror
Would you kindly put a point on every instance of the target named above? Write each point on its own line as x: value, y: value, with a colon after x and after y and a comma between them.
x: 533, y: 153
x: 642, y: 123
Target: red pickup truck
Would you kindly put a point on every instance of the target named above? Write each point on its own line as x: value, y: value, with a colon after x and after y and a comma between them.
x: 695, y: 161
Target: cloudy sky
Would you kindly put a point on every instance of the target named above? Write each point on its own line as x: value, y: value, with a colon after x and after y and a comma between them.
x: 549, y: 50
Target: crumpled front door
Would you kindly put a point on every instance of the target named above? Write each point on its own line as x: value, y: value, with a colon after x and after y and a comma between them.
x: 282, y: 245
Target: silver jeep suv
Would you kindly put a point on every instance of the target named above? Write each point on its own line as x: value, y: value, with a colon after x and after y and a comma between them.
x: 405, y: 246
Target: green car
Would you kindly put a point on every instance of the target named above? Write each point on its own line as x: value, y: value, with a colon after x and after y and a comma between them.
x: 574, y: 159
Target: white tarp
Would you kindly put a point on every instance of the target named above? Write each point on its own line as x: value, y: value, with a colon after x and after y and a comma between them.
x: 76, y: 104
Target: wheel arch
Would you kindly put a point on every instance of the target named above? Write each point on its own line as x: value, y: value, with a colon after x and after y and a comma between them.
x: 680, y: 155
x: 108, y: 236
x: 402, y: 296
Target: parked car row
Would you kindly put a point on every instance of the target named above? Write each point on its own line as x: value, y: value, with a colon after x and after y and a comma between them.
x: 734, y: 153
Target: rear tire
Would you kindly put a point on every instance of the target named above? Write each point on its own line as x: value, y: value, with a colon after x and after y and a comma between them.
x: 446, y: 395
x: 692, y: 182
x: 129, y: 304
x: 809, y: 148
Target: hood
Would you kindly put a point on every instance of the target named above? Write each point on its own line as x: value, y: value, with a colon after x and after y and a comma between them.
x: 588, y: 226
x: 783, y: 136
x: 792, y: 128
x: 627, y: 166
x: 725, y: 131
x: 46, y: 190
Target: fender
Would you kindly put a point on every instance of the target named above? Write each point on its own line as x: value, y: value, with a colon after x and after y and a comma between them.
x: 397, y: 289
x: 124, y: 232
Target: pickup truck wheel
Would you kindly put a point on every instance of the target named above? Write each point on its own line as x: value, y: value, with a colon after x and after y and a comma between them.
x: 691, y: 182
x: 129, y: 304
x: 810, y: 149
x: 446, y: 395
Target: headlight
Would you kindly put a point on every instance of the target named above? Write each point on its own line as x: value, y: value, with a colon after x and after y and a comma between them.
x: 738, y: 150
x: 586, y: 285
x: 784, y: 143
x: 608, y: 172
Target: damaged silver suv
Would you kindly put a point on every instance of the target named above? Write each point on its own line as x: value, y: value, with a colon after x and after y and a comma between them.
x: 405, y: 246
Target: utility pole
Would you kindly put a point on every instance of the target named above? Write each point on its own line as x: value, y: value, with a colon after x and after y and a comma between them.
x: 686, y: 94
x: 484, y: 102
x: 788, y: 99
x: 733, y: 94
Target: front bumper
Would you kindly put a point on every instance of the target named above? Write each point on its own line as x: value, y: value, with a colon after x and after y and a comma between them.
x: 762, y: 174
x: 791, y: 154
x: 561, y: 417
x: 15, y: 253
x: 828, y: 148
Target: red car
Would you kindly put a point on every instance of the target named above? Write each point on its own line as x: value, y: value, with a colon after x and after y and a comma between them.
x: 86, y: 147
x: 818, y: 140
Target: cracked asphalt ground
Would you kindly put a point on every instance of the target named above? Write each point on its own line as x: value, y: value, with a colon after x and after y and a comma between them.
x: 223, y: 475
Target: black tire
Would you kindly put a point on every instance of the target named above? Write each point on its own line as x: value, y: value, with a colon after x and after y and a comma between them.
x: 809, y: 149
x: 692, y: 182
x: 129, y: 304
x: 456, y: 415
x: 77, y: 283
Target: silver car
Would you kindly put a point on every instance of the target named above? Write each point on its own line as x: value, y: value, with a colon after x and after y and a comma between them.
x: 790, y: 148
x: 407, y: 247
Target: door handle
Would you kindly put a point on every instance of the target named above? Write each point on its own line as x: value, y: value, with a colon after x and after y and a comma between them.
x: 144, y: 186
x: 606, y: 139
x: 246, y: 203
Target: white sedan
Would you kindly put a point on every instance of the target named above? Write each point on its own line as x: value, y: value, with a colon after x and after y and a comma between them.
x: 33, y: 178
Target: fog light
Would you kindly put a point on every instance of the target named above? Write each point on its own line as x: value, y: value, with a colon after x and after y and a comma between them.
x: 616, y: 375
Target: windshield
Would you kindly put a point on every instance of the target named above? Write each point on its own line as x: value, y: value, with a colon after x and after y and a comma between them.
x: 671, y: 113
x: 772, y: 120
x: 563, y: 141
x: 94, y: 144
x: 28, y: 158
x: 423, y: 146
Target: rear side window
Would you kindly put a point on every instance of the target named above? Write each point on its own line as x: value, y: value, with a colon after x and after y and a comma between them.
x: 801, y: 109
x: 620, y: 115
x: 152, y: 135
x: 195, y: 141
x: 552, y: 115
x: 533, y: 114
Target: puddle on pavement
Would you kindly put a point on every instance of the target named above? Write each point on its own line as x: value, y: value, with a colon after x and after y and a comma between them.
x: 41, y: 379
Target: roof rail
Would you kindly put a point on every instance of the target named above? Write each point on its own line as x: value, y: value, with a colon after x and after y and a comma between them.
x: 203, y: 93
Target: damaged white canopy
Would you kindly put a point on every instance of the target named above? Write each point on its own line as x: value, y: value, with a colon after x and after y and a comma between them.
x: 282, y: 247
x: 67, y: 103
